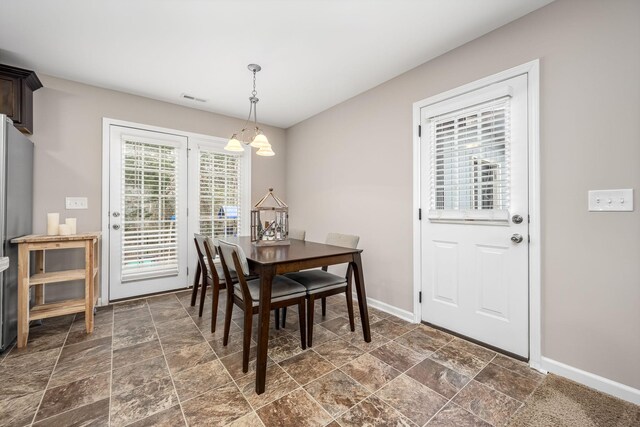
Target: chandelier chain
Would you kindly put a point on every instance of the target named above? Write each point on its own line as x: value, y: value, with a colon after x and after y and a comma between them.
x: 254, y: 93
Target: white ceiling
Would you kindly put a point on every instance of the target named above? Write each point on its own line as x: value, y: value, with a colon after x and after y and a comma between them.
x: 314, y: 53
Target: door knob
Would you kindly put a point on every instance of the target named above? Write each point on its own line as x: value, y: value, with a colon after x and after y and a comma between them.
x: 117, y: 227
x: 517, y: 219
x: 516, y: 238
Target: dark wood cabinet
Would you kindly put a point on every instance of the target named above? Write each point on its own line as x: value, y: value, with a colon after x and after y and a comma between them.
x: 16, y: 96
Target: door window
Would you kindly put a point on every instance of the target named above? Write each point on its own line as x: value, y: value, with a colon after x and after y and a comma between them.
x: 470, y: 155
x: 150, y: 210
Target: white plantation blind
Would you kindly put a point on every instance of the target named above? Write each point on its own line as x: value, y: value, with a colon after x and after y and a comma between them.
x: 470, y: 163
x: 150, y: 202
x: 220, y: 183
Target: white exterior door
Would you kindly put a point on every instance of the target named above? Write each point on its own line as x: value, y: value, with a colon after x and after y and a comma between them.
x: 474, y: 236
x: 147, y: 212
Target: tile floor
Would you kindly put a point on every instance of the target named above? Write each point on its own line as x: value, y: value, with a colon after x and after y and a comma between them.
x: 154, y: 362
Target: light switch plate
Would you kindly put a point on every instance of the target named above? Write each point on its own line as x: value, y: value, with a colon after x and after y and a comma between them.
x: 611, y: 200
x: 76, y: 203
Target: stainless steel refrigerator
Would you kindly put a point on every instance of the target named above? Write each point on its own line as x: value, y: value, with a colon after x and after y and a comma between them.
x: 16, y: 204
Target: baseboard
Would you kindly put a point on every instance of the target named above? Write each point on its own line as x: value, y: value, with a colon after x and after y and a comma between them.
x: 387, y: 308
x: 597, y: 382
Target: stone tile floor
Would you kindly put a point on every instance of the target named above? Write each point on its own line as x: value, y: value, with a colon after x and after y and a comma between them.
x: 154, y: 362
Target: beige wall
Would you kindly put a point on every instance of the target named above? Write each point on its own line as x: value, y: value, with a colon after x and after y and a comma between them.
x: 353, y: 173
x: 68, y: 151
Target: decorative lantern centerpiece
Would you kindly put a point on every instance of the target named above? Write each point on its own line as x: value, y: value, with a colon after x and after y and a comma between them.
x: 270, y: 221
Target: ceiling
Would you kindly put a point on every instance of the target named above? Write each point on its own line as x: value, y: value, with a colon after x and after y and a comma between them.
x: 314, y: 53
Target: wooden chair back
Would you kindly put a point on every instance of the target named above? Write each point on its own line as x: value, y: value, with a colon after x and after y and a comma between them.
x: 210, y: 253
x: 233, y: 259
x: 297, y: 234
x: 199, y: 240
x: 346, y: 241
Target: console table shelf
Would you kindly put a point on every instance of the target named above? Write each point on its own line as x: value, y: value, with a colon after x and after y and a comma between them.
x: 41, y: 310
x: 56, y: 276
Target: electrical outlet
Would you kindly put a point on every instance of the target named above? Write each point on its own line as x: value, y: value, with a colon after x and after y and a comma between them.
x: 76, y: 203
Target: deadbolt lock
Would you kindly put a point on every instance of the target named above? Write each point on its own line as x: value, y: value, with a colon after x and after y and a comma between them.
x: 517, y: 219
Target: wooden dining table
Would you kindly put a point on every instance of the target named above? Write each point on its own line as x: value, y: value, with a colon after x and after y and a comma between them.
x: 269, y: 261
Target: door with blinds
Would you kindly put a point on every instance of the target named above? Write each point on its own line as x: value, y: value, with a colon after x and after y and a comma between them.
x: 147, y: 212
x: 221, y: 191
x: 474, y: 236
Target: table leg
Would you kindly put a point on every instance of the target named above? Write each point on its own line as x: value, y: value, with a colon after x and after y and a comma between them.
x: 40, y: 269
x: 23, y: 295
x: 362, y: 296
x: 266, y: 277
x: 88, y: 286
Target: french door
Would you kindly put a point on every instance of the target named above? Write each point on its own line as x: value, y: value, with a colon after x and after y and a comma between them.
x: 474, y: 239
x: 147, y: 212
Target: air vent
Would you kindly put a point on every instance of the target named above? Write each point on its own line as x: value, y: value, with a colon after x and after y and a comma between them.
x: 192, y: 98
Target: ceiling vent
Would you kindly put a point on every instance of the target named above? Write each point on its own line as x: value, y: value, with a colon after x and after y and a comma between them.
x: 192, y: 98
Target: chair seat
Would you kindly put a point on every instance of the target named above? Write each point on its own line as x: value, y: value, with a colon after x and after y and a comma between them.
x: 317, y: 280
x: 220, y: 272
x: 282, y: 288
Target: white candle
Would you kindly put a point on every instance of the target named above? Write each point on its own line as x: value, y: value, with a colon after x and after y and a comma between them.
x: 64, y: 230
x: 53, y: 221
x: 71, y: 222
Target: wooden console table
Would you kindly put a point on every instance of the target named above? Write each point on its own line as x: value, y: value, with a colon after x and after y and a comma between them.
x: 39, y: 244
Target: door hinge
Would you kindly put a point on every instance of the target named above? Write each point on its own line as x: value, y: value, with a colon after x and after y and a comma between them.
x: 420, y: 296
x: 187, y: 271
x: 419, y: 130
x: 187, y: 211
x: 528, y: 238
x: 420, y: 214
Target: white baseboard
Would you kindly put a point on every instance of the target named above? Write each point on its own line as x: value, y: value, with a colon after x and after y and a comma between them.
x: 597, y: 382
x: 387, y: 308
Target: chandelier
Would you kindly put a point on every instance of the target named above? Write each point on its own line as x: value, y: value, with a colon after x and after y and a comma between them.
x: 251, y: 135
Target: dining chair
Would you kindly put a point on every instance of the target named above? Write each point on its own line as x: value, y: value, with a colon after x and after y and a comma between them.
x: 246, y: 295
x: 211, y: 274
x: 203, y: 276
x: 211, y: 252
x: 297, y: 234
x: 197, y: 276
x: 322, y: 284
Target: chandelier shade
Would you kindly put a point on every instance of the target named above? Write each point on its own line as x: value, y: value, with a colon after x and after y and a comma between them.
x: 234, y: 145
x: 265, y: 151
x: 260, y: 141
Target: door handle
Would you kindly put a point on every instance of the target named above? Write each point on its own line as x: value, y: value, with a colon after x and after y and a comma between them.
x: 516, y: 238
x: 117, y: 227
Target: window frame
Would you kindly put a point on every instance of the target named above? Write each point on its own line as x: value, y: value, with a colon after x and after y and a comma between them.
x: 450, y: 107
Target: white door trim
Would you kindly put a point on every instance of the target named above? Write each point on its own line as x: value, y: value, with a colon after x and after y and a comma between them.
x: 532, y: 70
x: 106, y: 124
